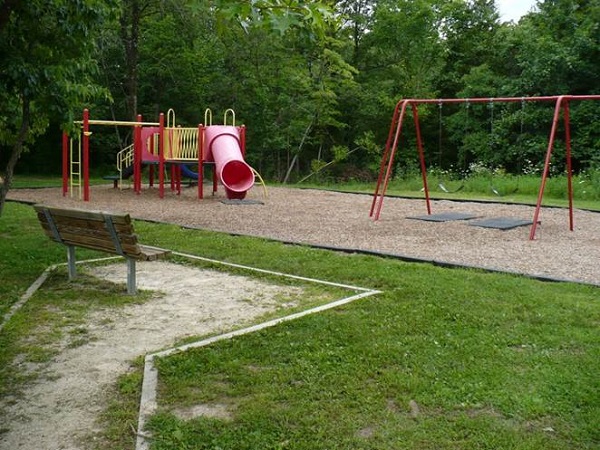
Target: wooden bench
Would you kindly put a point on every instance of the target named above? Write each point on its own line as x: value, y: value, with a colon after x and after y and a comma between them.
x: 96, y: 230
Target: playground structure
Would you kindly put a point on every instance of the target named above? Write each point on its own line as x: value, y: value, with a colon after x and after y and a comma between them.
x: 165, y: 145
x: 387, y: 161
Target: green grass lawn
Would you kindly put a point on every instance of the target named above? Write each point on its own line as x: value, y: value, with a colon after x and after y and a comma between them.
x: 442, y: 359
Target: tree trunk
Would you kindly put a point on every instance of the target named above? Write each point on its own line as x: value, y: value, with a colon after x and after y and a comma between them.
x: 295, y: 158
x: 130, y: 34
x: 17, y: 149
x: 6, y: 10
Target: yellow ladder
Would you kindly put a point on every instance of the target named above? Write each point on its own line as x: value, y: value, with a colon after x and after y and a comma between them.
x: 124, y: 159
x: 75, y: 165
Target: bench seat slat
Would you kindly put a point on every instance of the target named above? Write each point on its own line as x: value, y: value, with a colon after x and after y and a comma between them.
x: 84, y: 233
x: 62, y: 221
x: 149, y: 253
x: 83, y: 214
x: 103, y: 246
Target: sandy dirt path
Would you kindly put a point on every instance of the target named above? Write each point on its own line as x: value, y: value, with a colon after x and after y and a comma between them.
x: 61, y: 410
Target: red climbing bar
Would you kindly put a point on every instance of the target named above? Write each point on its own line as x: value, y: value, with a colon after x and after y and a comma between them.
x: 86, y: 155
x: 65, y: 163
x: 200, y: 161
x: 161, y: 155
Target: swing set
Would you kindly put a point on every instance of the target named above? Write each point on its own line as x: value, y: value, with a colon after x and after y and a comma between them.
x: 561, y: 103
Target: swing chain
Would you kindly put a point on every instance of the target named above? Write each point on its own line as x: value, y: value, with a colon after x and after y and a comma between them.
x: 522, y: 115
x: 491, y: 106
x: 440, y: 129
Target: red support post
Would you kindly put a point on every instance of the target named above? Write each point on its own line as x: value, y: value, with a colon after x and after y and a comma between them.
x: 242, y: 131
x: 151, y: 166
x: 173, y: 176
x: 421, y: 156
x: 137, y: 151
x: 546, y: 171
x: 200, y: 161
x: 214, y: 179
x: 392, y: 153
x: 384, y: 158
x: 136, y: 167
x: 567, y: 119
x: 86, y: 155
x: 161, y: 155
x: 65, y: 163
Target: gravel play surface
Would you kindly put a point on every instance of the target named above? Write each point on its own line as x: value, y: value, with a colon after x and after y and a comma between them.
x: 341, y: 220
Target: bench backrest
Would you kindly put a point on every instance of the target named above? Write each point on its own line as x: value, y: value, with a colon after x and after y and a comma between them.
x: 96, y: 230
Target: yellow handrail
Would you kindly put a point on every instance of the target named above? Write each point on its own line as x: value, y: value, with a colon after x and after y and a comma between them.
x: 232, y: 117
x: 125, y: 159
x: 171, y: 118
x: 265, y: 193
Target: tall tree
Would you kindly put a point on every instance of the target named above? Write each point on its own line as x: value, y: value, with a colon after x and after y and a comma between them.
x: 468, y: 29
x: 401, y: 58
x: 357, y: 21
x: 310, y: 17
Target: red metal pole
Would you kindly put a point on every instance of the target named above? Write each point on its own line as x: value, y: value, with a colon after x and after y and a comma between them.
x: 214, y: 179
x: 421, y: 157
x: 385, y: 156
x: 86, y: 155
x: 65, y: 163
x: 567, y: 120
x: 538, y: 206
x: 137, y: 150
x: 391, y: 158
x: 151, y: 166
x: 200, y: 161
x: 161, y: 155
x: 136, y: 167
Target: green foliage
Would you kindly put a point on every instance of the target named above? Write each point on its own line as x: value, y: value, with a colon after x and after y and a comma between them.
x: 307, y: 78
x: 46, y: 49
x: 312, y: 17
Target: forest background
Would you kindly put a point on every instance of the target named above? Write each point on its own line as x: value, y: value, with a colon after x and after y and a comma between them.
x: 313, y: 82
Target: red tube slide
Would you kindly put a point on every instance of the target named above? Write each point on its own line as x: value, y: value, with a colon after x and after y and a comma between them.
x: 224, y: 148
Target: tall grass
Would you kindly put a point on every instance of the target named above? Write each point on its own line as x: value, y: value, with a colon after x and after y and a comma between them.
x: 486, y: 184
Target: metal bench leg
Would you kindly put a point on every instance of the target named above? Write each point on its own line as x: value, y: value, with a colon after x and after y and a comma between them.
x: 71, y: 262
x: 131, y: 283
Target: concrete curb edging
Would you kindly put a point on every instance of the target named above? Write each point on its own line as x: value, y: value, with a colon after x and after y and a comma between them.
x: 148, y: 397
x: 37, y: 284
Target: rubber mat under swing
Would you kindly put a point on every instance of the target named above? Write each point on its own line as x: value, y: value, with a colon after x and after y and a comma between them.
x: 445, y: 217
x: 501, y: 223
x: 237, y: 201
